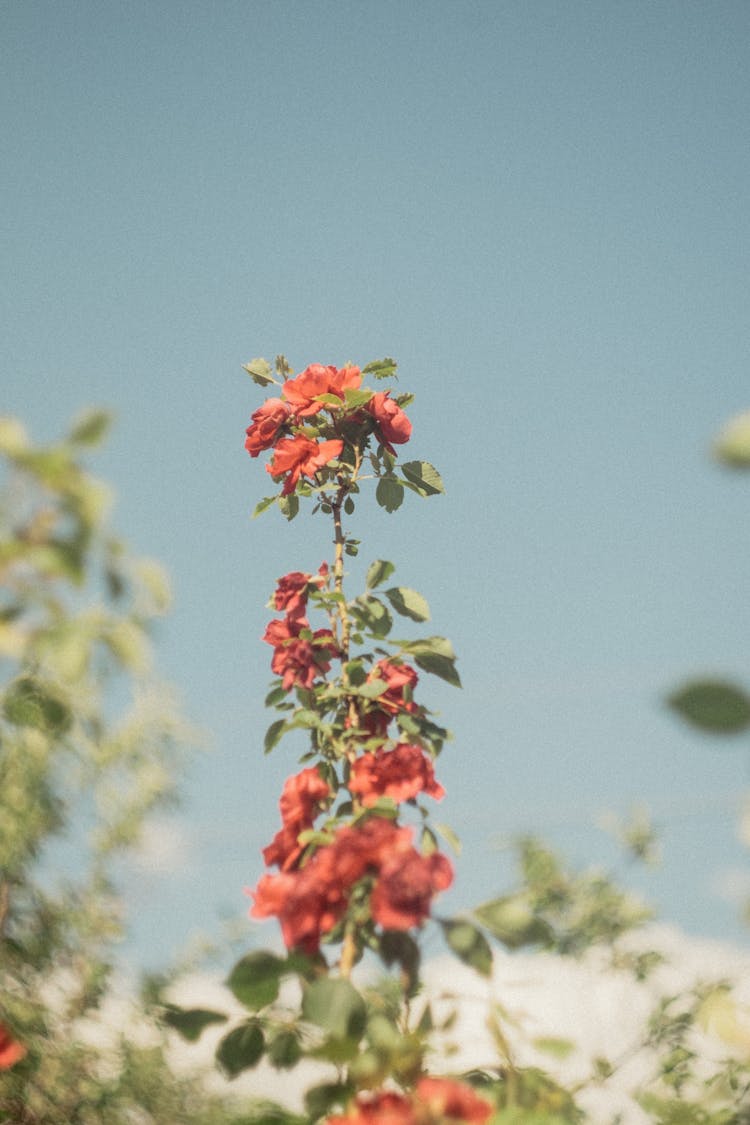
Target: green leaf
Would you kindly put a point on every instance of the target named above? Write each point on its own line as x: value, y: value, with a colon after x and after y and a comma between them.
x: 377, y: 572
x: 356, y: 398
x: 241, y: 1048
x: 190, y: 1022
x: 557, y: 1048
x: 263, y: 505
x: 435, y: 655
x: 329, y: 400
x: 273, y: 734
x: 733, y: 443
x: 320, y: 1100
x: 335, y: 1005
x: 284, y: 1051
x: 512, y: 921
x: 469, y: 944
x: 424, y: 476
x: 254, y: 980
x: 408, y: 603
x: 450, y: 837
x: 259, y: 371
x: 275, y: 696
x: 712, y: 705
x: 30, y: 703
x: 289, y: 505
x: 389, y: 493
x: 373, y: 615
x: 381, y: 368
x: 91, y: 427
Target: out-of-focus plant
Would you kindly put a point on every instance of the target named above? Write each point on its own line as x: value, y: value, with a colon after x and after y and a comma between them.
x: 89, y: 747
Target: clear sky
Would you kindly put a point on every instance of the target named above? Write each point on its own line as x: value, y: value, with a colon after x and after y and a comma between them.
x: 541, y: 210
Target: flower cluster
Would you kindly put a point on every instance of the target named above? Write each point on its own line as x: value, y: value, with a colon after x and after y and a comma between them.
x: 311, y: 900
x: 433, y: 1102
x: 319, y: 413
x: 300, y: 656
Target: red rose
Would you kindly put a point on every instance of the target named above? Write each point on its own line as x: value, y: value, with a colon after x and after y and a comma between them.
x: 405, y: 888
x: 297, y: 659
x: 445, y: 1098
x: 299, y: 802
x: 391, y: 424
x: 382, y: 1108
x: 301, y: 456
x: 292, y: 590
x: 316, y: 380
x: 267, y: 421
x: 11, y: 1051
x: 400, y: 774
x: 401, y: 680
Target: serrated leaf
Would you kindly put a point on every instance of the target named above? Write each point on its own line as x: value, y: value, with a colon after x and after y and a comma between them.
x: 355, y: 398
x: 469, y: 944
x: 434, y: 655
x: 389, y: 493
x: 381, y: 368
x: 263, y: 505
x: 190, y: 1022
x: 408, y: 603
x: 329, y: 400
x: 377, y: 572
x: 254, y: 980
x: 424, y: 476
x: 273, y: 734
x: 373, y: 615
x: 713, y: 705
x: 241, y: 1049
x: 259, y: 371
x: 335, y: 1006
x: 91, y: 427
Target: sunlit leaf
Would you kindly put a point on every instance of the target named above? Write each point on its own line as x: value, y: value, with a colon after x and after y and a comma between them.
x: 408, y: 603
x: 424, y: 476
x: 389, y: 493
x: 377, y: 572
x: 335, y: 1005
x: 259, y: 371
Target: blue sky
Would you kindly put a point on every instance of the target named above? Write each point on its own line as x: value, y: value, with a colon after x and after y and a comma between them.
x: 540, y: 209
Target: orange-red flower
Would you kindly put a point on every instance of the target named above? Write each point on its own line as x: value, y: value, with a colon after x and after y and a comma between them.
x: 297, y: 659
x: 310, y: 900
x: 316, y: 380
x: 406, y: 886
x: 11, y: 1051
x: 432, y: 1102
x: 401, y: 679
x: 443, y: 1097
x: 391, y: 424
x: 267, y: 421
x: 400, y: 773
x: 300, y: 798
x: 301, y: 456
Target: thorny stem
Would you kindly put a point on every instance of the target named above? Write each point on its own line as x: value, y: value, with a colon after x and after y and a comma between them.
x: 349, y: 947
